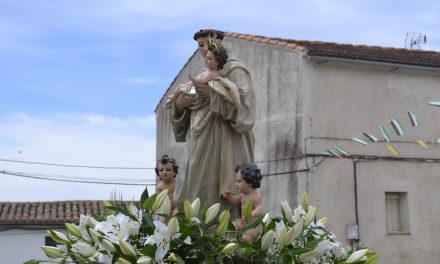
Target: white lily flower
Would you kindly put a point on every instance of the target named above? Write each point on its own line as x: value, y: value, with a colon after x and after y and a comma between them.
x: 187, y: 209
x: 287, y: 210
x: 224, y: 222
x: 298, y: 228
x: 83, y: 249
x: 356, y: 256
x: 305, y: 201
x: 211, y: 212
x: 123, y: 261
x: 162, y: 238
x: 135, y: 212
x: 281, y: 230
x: 119, y: 227
x: 298, y: 213
x: 160, y: 198
x: 127, y: 248
x: 172, y: 257
x: 165, y: 207
x: 52, y: 252
x: 229, y: 247
x: 324, y: 246
x: 94, y: 235
x: 267, y: 240
x: 144, y: 260
x: 108, y: 246
x: 310, y: 216
x: 196, y: 206
x: 59, y: 237
x: 73, y: 230
x: 266, y: 219
x: 173, y: 226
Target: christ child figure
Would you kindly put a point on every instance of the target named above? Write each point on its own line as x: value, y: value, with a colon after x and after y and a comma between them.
x: 248, y: 179
x: 215, y: 59
x: 167, y: 169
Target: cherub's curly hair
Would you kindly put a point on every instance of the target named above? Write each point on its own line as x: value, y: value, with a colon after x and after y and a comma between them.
x: 250, y: 173
x: 220, y: 54
x: 164, y: 160
x: 207, y: 32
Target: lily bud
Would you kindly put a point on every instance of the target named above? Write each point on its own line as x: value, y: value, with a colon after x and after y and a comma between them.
x: 108, y: 246
x: 59, y: 237
x: 355, y: 256
x: 229, y: 247
x: 267, y: 240
x: 287, y: 211
x: 52, y: 252
x: 73, y: 230
x: 324, y: 220
x: 187, y: 209
x: 126, y: 248
x: 266, y: 219
x: 224, y: 221
x: 144, y: 260
x: 310, y: 216
x: 123, y: 261
x: 282, y: 237
x: 305, y: 202
x: 298, y: 228
x: 211, y: 212
x: 160, y: 198
x: 172, y: 257
x: 84, y: 249
x: 196, y: 206
x: 290, y: 236
x: 173, y: 226
x: 94, y: 235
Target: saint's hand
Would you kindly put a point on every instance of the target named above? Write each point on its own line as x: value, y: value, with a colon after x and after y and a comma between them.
x: 203, y: 89
x: 182, y: 102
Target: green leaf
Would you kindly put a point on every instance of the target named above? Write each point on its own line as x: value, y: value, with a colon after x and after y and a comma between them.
x: 149, y: 250
x: 252, y: 224
x: 144, y: 195
x: 34, y: 261
x: 149, y: 202
x: 247, y: 211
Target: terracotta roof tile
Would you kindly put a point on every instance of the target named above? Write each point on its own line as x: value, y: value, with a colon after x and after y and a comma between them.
x: 46, y: 213
x: 354, y: 52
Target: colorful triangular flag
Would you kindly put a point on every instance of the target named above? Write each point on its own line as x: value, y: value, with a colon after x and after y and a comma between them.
x: 392, y: 150
x: 422, y: 143
x: 358, y: 140
x: 371, y: 137
x: 413, y: 119
x: 397, y: 125
x: 385, y: 134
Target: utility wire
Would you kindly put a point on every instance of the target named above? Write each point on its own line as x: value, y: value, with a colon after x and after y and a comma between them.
x: 72, y: 180
x: 76, y: 166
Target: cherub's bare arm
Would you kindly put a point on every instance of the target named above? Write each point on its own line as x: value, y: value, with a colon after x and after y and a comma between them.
x: 232, y: 198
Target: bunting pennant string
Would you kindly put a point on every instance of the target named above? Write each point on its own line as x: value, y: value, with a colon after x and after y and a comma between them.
x: 358, y: 140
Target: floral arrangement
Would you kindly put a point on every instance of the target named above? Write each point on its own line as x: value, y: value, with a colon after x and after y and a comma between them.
x: 198, y: 235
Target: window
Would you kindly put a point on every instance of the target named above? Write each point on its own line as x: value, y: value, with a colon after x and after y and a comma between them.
x: 397, y: 216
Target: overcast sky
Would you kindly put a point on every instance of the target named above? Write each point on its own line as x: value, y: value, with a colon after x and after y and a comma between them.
x: 80, y: 79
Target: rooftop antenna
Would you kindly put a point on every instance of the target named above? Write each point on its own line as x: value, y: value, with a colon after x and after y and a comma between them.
x: 414, y: 39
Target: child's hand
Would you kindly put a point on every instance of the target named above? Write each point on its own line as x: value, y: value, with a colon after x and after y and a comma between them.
x: 227, y: 193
